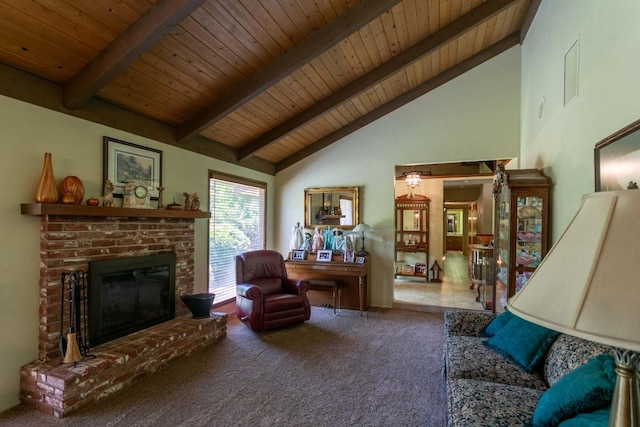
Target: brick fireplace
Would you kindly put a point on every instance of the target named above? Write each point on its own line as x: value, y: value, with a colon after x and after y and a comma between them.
x: 70, y: 238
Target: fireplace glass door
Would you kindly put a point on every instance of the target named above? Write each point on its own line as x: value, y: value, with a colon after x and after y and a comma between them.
x: 126, y: 295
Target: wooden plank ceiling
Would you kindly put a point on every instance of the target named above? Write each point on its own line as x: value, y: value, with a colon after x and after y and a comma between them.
x: 275, y: 80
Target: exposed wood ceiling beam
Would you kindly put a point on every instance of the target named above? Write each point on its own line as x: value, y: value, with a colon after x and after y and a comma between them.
x: 435, y: 41
x: 392, y: 105
x: 28, y: 87
x: 310, y: 48
x: 528, y: 18
x: 126, y: 48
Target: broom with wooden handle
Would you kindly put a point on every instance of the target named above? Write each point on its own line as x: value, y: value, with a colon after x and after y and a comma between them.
x: 72, y: 354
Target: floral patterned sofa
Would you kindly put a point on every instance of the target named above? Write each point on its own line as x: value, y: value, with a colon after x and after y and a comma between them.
x: 487, y: 388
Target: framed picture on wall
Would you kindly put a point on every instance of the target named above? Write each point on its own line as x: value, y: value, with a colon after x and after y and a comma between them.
x: 124, y: 162
x: 617, y: 160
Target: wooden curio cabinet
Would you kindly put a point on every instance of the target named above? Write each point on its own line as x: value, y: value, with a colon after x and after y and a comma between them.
x: 412, y: 235
x: 521, y: 229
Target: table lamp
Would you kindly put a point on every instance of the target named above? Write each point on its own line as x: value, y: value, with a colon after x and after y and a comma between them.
x: 588, y: 286
x: 361, y: 228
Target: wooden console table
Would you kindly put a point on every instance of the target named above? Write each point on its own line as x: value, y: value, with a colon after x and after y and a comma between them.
x: 352, y: 275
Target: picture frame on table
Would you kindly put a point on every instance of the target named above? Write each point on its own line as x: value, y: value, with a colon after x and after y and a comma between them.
x: 348, y: 255
x: 324, y: 256
x: 617, y: 160
x: 360, y: 260
x: 124, y: 162
x: 420, y: 269
x: 298, y: 254
x: 407, y: 270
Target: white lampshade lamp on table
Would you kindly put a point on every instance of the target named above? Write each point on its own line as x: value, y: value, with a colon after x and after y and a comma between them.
x: 588, y: 286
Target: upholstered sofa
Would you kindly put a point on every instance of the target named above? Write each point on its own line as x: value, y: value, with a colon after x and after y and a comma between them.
x: 490, y: 387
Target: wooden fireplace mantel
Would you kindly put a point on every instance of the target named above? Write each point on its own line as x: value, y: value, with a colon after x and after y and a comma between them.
x: 39, y: 209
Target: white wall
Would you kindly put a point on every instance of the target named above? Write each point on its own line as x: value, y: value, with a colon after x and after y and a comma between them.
x: 562, y: 142
x: 76, y: 146
x: 476, y: 116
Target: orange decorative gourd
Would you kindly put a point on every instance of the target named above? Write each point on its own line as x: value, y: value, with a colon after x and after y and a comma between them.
x: 72, y: 190
x: 92, y: 201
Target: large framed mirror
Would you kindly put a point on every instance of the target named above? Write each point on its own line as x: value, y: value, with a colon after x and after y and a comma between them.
x: 331, y: 206
x: 617, y: 160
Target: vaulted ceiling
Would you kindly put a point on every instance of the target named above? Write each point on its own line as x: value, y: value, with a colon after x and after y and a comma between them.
x: 261, y: 83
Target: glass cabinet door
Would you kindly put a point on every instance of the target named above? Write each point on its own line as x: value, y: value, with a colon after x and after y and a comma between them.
x: 502, y: 246
x: 528, y: 238
x: 521, y: 218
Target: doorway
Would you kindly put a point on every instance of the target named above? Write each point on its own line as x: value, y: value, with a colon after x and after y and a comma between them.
x: 464, y: 199
x: 456, y: 230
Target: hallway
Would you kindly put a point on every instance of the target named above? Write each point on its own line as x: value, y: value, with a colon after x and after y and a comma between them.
x: 453, y: 292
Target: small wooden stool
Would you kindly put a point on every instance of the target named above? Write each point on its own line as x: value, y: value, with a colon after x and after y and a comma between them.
x: 334, y: 286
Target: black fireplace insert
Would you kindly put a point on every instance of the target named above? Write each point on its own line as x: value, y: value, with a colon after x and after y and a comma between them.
x: 130, y: 294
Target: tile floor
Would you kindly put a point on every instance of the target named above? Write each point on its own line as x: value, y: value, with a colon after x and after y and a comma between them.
x: 453, y: 292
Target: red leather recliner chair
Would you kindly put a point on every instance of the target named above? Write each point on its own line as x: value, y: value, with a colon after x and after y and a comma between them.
x: 265, y: 298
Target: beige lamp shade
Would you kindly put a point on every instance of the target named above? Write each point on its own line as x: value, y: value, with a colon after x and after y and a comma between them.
x: 588, y: 285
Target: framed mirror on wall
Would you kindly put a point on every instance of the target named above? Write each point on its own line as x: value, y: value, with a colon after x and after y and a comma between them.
x: 331, y: 206
x: 617, y: 160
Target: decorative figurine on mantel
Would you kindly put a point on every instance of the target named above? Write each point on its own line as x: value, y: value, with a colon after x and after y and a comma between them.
x: 195, y: 202
x: 187, y: 201
x: 107, y: 200
x: 160, y: 190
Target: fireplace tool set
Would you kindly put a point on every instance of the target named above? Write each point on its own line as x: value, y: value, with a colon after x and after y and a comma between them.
x: 75, y: 344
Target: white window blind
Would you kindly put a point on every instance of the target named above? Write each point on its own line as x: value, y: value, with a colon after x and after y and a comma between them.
x: 237, y: 225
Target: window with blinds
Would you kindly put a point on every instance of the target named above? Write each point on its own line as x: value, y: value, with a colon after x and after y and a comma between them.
x: 237, y: 225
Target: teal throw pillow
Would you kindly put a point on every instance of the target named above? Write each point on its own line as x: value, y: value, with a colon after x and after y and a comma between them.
x: 523, y: 342
x: 586, y: 388
x: 496, y: 324
x: 597, y: 418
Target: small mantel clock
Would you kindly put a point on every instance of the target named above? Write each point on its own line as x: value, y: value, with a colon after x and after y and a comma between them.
x: 136, y: 195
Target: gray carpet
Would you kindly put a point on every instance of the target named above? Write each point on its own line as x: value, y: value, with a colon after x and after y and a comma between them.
x: 383, y: 369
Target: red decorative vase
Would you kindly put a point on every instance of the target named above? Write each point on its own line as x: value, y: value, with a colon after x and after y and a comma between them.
x: 47, y: 191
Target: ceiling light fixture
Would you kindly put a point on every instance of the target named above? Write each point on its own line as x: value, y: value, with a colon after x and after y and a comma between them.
x: 413, y: 179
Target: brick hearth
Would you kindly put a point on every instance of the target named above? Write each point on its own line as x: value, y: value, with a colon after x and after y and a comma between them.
x: 61, y: 390
x: 69, y: 243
